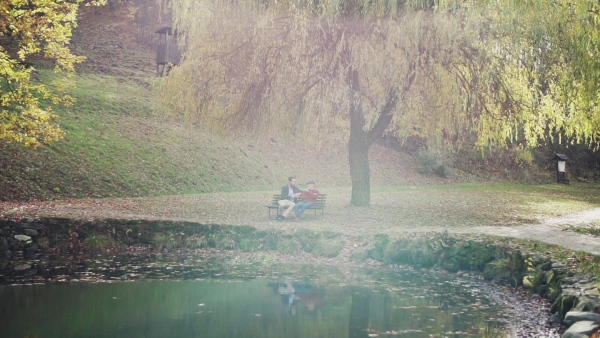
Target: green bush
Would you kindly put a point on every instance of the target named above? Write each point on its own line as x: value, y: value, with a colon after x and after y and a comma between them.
x: 159, y: 241
x: 328, y: 247
x: 380, y: 242
x: 96, y: 243
x: 307, y: 239
x: 226, y: 242
x: 431, y: 163
x: 508, y: 267
x: 287, y: 246
x: 361, y: 255
x: 250, y: 244
x: 196, y: 242
x: 271, y: 240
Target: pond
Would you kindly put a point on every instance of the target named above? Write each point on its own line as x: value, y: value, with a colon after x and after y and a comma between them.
x: 171, y: 299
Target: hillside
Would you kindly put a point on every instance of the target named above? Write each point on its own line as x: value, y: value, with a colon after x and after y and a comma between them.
x: 118, y: 145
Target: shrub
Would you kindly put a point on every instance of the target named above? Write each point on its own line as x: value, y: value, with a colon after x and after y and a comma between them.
x: 225, y: 242
x: 96, y: 242
x: 431, y: 163
x: 328, y: 247
x: 287, y: 245
x: 196, y: 242
x: 159, y: 241
x: 250, y: 244
x: 307, y: 239
x: 271, y: 240
x: 380, y: 242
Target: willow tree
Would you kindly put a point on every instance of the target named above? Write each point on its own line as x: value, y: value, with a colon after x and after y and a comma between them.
x: 535, y: 77
x: 318, y: 72
x: 512, y: 72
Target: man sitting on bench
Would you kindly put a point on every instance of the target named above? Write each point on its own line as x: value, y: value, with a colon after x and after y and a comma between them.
x: 308, y: 198
x: 289, y: 196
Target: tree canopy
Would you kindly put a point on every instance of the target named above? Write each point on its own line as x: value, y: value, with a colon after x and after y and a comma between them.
x: 521, y: 72
x: 536, y: 75
x: 34, y: 28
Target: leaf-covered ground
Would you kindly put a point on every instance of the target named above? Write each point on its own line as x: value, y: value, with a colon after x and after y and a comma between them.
x: 461, y: 208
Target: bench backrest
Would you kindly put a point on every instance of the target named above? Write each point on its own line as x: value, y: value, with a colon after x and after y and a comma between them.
x: 321, y: 199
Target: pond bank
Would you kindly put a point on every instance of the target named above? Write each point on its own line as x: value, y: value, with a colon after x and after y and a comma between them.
x: 26, y: 239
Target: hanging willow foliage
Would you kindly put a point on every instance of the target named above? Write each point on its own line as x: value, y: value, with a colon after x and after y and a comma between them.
x: 511, y: 71
x: 538, y: 70
x: 266, y: 67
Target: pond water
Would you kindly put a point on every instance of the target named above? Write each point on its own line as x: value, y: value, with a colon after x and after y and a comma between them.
x: 293, y: 301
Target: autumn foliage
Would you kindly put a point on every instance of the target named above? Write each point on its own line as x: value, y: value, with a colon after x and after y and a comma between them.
x: 34, y: 29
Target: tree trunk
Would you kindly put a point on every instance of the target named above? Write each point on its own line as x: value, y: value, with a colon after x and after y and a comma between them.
x: 358, y: 145
x: 361, y: 140
x: 360, y: 173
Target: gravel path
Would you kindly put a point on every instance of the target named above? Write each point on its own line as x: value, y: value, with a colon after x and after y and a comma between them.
x: 552, y: 231
x: 393, y: 213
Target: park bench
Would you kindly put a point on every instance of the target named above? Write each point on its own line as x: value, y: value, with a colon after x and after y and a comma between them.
x: 319, y: 206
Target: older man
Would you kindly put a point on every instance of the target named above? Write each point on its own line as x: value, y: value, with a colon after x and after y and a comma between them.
x: 308, y: 198
x: 289, y: 195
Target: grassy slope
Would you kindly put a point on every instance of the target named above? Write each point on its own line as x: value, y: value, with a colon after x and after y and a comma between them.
x: 114, y: 148
x: 117, y: 145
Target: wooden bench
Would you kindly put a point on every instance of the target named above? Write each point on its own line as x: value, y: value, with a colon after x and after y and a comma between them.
x: 319, y: 206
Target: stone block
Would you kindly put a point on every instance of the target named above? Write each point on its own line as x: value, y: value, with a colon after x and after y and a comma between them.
x: 30, y: 232
x: 22, y: 266
x: 31, y: 220
x: 579, y: 316
x: 43, y: 243
x: 31, y: 249
x: 586, y: 304
x: 34, y: 226
x: 581, y: 329
x: 22, y: 238
x: 14, y: 224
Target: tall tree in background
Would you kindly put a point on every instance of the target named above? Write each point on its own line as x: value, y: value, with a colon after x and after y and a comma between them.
x: 34, y: 27
x: 330, y: 71
x: 535, y: 77
x: 512, y: 72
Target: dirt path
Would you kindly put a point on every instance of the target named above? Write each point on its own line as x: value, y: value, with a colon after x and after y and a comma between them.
x: 394, y: 213
x: 553, y: 231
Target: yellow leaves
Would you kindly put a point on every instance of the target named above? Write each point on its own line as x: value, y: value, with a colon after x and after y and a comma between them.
x: 462, y: 67
x: 38, y: 26
x: 30, y: 126
x: 285, y: 70
x: 544, y: 57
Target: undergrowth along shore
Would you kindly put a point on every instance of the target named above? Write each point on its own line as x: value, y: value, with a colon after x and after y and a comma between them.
x: 501, y: 259
x: 520, y: 264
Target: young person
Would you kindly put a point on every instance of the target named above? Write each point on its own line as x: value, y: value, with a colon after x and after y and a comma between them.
x: 289, y: 195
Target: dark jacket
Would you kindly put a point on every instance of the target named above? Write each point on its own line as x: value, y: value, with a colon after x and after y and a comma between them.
x: 285, y: 192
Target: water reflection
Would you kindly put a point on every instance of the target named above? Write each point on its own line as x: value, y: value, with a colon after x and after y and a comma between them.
x: 294, y: 293
x: 322, y: 303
